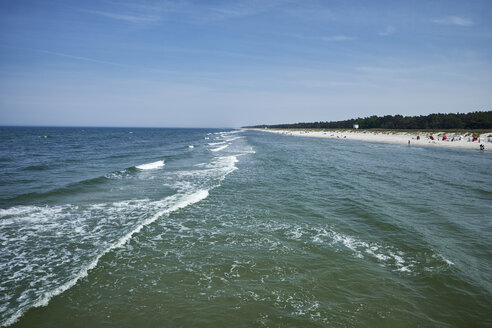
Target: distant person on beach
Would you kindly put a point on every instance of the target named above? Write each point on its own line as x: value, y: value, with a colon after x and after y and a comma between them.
x: 482, y: 147
x: 409, y: 142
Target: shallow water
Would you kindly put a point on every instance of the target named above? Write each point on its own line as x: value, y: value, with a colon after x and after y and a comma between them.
x: 133, y: 227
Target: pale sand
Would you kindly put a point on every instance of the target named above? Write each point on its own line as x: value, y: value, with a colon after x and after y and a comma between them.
x: 396, y: 137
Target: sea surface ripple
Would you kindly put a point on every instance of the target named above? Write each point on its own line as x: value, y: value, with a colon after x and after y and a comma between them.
x: 220, y: 228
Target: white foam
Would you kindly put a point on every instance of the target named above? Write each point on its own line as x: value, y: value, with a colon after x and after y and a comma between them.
x: 151, y: 166
x: 235, y: 138
x: 168, y: 205
x: 219, y: 148
x: 125, y: 215
x: 226, y: 164
x: 296, y: 233
x: 448, y: 262
x: 216, y: 143
x: 350, y: 242
x: 216, y: 170
x: 187, y: 200
x: 191, y: 146
x: 17, y: 210
x: 28, y: 214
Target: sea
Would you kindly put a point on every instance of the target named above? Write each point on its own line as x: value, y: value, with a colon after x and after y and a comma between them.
x: 144, y: 227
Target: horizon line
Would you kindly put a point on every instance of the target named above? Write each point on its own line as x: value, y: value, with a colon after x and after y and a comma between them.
x: 110, y: 127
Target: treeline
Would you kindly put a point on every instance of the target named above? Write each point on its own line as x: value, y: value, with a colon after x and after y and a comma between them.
x: 473, y: 120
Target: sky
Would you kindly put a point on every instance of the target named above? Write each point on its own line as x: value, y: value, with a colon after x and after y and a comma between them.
x: 234, y: 63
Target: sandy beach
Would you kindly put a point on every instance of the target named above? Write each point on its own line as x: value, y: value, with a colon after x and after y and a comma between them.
x: 438, y: 139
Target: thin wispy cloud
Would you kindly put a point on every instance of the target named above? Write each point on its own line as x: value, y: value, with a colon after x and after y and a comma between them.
x: 333, y: 38
x: 383, y: 70
x: 157, y: 11
x: 130, y: 18
x: 205, y: 12
x: 338, y: 38
x: 233, y: 10
x: 388, y: 31
x: 322, y: 83
x: 310, y: 10
x: 92, y: 60
x: 453, y: 20
x: 60, y: 54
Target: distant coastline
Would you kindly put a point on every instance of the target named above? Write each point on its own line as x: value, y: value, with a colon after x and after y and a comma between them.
x: 450, y: 139
x: 459, y: 121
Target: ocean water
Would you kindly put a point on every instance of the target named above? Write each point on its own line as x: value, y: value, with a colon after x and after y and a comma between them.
x: 128, y: 227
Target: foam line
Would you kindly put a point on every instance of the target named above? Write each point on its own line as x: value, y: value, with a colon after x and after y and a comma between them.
x: 232, y: 139
x: 151, y: 166
x: 219, y: 148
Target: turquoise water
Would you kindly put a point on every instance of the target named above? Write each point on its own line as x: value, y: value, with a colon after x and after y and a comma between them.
x: 229, y: 228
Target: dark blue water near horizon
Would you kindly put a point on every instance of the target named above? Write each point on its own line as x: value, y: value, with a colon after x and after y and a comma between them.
x: 125, y: 227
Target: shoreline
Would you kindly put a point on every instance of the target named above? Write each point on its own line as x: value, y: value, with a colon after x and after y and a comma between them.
x: 417, y: 138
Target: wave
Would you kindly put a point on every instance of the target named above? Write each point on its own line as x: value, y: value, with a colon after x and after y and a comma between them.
x: 234, y: 138
x: 217, y: 143
x: 165, y: 206
x: 39, y: 167
x: 248, y: 151
x: 83, y: 234
x: 71, y: 188
x: 151, y: 166
x: 387, y: 255
x: 97, y: 228
x: 206, y: 176
x: 219, y: 148
x: 83, y: 186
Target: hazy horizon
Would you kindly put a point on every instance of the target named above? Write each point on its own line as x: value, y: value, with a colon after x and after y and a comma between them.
x: 163, y: 127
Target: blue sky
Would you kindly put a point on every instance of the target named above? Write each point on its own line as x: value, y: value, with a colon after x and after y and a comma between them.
x: 234, y: 63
